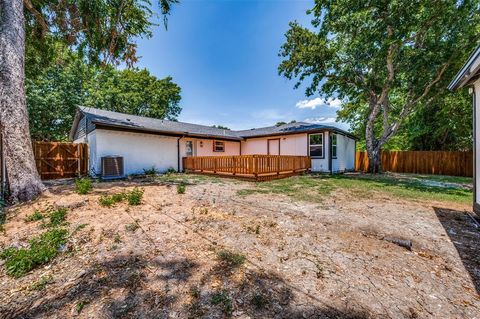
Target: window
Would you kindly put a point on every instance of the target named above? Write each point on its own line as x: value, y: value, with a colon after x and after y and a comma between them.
x: 218, y: 146
x: 334, y: 145
x: 189, y: 148
x: 316, y: 145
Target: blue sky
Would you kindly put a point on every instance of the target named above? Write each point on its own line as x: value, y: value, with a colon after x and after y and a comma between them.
x: 224, y: 56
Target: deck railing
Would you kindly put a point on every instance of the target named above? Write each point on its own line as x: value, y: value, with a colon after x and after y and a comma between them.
x: 248, y: 166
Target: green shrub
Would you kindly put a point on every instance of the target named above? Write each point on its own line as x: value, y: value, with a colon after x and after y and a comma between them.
x: 83, y: 185
x: 150, y: 171
x: 170, y: 170
x: 221, y: 298
x: 134, y: 197
x: 37, y: 215
x: 56, y: 217
x: 106, y: 201
x: 118, y: 197
x: 230, y: 258
x: 43, y: 248
x: 181, y: 188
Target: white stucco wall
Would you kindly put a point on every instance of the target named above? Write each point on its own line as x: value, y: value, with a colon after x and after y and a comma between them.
x: 138, y: 150
x: 321, y: 164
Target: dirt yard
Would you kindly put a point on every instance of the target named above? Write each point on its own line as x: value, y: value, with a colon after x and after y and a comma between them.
x: 181, y: 255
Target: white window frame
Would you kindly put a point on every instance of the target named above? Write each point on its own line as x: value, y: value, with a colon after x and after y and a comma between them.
x: 334, y: 145
x: 322, y: 145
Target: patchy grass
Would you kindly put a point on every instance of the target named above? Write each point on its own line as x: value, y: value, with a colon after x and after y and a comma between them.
x: 152, y: 171
x: 35, y: 216
x: 56, y: 217
x: 132, y: 226
x: 43, y: 248
x: 231, y: 259
x: 83, y: 185
x: 189, y: 179
x: 134, y: 197
x: 315, y: 188
x: 221, y: 298
x: 181, y: 188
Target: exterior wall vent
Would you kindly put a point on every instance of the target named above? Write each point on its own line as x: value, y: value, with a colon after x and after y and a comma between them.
x: 112, y: 167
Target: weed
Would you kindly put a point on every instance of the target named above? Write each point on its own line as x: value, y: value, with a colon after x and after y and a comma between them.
x: 37, y: 215
x: 79, y: 306
x: 134, y: 197
x: 57, y: 217
x: 83, y: 185
x: 253, y: 230
x: 221, y: 297
x: 42, y: 282
x: 230, y: 258
x: 132, y: 226
x: 195, y: 292
x: 152, y: 171
x: 170, y: 170
x: 109, y: 201
x: 259, y: 301
x: 117, y: 239
x: 43, y: 248
x: 181, y: 188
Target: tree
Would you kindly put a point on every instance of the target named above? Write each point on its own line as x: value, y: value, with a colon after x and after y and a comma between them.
x: 55, y: 92
x: 221, y: 127
x: 134, y: 92
x: 382, y: 58
x: 102, y: 31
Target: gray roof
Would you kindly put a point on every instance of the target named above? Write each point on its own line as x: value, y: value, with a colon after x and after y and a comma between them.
x: 146, y: 124
x: 468, y: 72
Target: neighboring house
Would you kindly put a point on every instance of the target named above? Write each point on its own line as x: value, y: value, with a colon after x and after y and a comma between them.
x: 469, y: 75
x: 146, y: 142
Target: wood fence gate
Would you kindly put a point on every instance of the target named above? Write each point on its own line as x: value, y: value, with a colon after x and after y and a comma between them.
x: 60, y: 160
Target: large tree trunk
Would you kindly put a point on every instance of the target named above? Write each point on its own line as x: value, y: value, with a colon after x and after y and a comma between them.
x: 23, y: 178
x: 374, y: 161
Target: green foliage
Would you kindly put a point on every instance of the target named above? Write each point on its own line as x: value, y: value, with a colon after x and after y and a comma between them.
x: 35, y: 216
x: 221, y: 127
x: 170, y: 170
x: 83, y: 185
x: 55, y: 92
x: 386, y: 61
x: 134, y: 197
x: 231, y: 259
x: 150, y: 171
x: 56, y: 217
x: 43, y: 248
x: 222, y: 298
x: 181, y: 188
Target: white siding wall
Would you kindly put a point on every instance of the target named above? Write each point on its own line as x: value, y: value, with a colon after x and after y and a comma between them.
x: 138, y: 150
x: 295, y: 144
x: 345, y: 160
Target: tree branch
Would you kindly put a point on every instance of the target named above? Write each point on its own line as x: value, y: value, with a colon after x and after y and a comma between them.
x: 38, y: 16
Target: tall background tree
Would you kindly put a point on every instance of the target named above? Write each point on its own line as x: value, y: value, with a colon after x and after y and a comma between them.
x: 102, y: 31
x: 384, y: 59
x: 66, y: 82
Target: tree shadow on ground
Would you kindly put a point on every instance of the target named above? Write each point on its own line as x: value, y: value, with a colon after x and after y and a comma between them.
x: 136, y: 287
x: 466, y: 239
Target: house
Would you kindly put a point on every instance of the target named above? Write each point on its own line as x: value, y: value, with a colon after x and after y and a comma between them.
x: 469, y: 76
x: 146, y: 142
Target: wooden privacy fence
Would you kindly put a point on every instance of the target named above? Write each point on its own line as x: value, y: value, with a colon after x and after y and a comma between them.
x: 60, y: 160
x: 258, y: 167
x: 421, y: 162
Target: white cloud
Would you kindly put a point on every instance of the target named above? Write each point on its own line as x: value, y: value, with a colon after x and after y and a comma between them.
x: 321, y: 120
x: 313, y: 103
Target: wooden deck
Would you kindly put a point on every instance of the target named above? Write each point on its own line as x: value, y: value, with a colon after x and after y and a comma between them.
x: 254, y: 167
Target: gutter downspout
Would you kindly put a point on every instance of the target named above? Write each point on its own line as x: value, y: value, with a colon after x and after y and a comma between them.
x: 178, y: 154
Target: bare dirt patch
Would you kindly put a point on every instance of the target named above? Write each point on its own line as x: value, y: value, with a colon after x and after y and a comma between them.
x: 326, y: 259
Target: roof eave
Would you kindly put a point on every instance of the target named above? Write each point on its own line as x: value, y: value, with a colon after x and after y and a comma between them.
x: 466, y: 74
